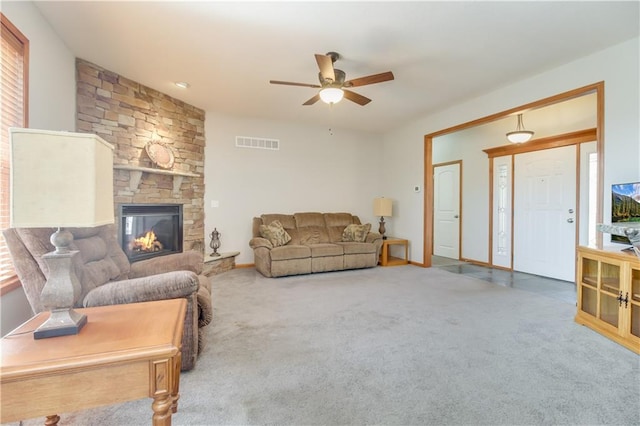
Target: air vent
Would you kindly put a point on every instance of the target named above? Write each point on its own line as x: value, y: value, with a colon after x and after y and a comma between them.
x: 257, y: 143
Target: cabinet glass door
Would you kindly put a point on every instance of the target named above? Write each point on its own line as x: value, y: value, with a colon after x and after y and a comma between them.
x: 589, y: 278
x: 609, y: 291
x: 634, y: 302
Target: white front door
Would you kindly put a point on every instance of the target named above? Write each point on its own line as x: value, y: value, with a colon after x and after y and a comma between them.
x: 446, y: 206
x: 544, y: 213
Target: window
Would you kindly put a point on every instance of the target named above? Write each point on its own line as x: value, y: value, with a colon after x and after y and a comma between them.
x: 14, y: 93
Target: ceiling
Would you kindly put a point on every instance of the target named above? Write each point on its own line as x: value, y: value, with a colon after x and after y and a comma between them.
x: 441, y: 53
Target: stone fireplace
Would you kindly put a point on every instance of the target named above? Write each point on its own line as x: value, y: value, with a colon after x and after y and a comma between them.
x: 149, y: 230
x: 129, y: 115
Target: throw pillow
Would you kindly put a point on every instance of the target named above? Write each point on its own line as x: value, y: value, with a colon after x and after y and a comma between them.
x: 356, y: 233
x: 275, y: 233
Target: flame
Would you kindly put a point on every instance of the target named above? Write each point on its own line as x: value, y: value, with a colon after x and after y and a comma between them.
x: 147, y: 242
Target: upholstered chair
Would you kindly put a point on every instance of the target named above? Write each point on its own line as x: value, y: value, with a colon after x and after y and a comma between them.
x: 107, y: 277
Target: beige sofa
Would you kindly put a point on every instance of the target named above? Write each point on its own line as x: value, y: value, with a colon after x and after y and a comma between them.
x: 318, y: 242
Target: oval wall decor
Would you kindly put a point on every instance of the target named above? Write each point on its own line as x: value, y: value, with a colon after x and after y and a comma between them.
x: 160, y: 154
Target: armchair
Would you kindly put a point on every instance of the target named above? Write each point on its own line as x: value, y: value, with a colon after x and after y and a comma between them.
x: 107, y: 278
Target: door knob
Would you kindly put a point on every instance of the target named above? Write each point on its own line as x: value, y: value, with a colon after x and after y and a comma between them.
x: 570, y: 210
x: 455, y: 217
x: 570, y: 220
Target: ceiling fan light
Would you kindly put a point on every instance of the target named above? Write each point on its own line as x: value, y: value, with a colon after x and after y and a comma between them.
x: 520, y: 135
x: 331, y: 95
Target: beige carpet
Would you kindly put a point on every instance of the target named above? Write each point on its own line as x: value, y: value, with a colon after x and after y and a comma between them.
x: 393, y: 346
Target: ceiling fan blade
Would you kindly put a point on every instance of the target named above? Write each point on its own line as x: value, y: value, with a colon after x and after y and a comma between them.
x: 354, y: 97
x: 370, y: 79
x: 313, y: 100
x: 289, y: 83
x: 325, y: 63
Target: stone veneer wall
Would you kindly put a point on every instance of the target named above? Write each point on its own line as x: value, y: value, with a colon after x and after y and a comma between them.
x: 128, y: 115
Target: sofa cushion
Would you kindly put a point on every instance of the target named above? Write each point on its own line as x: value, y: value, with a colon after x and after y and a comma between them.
x: 275, y: 233
x: 356, y: 233
x: 290, y: 252
x: 313, y: 235
x: 338, y: 219
x: 309, y: 219
x: 336, y: 222
x: 287, y: 220
x: 310, y: 229
x: 36, y: 240
x: 357, y: 248
x: 286, y: 267
x: 323, y: 250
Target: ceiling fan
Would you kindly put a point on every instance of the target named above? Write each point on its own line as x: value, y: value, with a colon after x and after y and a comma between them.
x: 333, y: 85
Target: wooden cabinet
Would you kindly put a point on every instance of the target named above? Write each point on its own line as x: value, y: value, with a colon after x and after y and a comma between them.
x: 608, y: 284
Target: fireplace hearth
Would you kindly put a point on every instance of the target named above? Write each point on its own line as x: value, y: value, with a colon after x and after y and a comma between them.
x: 150, y: 230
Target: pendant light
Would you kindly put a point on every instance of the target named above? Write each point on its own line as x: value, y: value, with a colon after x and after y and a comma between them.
x: 520, y: 135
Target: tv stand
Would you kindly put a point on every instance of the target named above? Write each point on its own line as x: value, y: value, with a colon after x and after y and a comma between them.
x: 608, y: 284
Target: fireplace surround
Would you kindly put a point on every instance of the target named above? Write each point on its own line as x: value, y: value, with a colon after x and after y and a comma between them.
x: 149, y: 230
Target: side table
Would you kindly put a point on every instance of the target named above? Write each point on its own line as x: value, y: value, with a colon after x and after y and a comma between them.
x: 124, y: 352
x: 386, y: 259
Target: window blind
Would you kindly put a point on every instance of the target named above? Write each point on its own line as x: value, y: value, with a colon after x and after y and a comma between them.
x: 14, y: 56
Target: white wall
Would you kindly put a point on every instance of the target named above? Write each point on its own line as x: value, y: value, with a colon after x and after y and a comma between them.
x: 313, y: 170
x: 52, y: 106
x: 617, y: 66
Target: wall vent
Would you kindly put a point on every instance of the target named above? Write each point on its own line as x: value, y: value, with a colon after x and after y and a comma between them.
x: 257, y: 143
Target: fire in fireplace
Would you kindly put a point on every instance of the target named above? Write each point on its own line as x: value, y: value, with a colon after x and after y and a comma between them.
x: 149, y: 230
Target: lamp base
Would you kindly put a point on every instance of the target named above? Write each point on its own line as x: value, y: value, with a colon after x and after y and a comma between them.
x: 381, y: 228
x: 61, y: 322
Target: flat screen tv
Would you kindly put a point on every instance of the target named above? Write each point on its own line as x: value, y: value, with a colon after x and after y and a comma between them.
x: 625, y: 206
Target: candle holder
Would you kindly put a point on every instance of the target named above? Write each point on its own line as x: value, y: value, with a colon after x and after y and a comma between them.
x: 215, y: 243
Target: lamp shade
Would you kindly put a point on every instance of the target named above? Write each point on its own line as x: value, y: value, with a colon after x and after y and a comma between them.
x: 331, y: 95
x: 383, y: 207
x: 60, y: 179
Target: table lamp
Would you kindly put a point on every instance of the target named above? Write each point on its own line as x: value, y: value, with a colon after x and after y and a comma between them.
x: 60, y: 179
x: 382, y: 207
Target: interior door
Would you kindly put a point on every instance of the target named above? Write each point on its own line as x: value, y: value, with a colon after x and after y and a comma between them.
x: 544, y: 213
x: 446, y: 216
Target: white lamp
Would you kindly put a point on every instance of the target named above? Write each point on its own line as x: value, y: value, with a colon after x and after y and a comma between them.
x: 331, y: 95
x: 60, y: 179
x: 382, y: 207
x: 520, y: 135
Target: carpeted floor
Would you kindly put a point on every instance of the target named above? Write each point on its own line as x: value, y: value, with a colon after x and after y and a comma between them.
x: 394, y: 346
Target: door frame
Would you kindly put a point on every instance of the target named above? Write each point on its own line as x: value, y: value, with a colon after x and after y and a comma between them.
x: 597, y: 88
x: 433, y: 177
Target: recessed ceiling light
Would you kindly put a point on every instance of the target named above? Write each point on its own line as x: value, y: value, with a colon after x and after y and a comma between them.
x: 182, y: 84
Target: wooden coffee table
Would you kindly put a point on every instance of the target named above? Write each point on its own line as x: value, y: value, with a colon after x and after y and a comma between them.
x: 124, y: 352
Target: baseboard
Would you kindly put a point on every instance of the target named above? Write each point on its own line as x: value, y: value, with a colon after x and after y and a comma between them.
x: 245, y: 265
